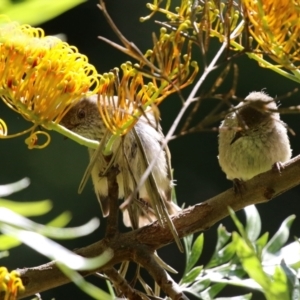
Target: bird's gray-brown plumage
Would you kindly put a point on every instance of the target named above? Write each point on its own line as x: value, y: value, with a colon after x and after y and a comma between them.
x: 252, y: 138
x: 85, y: 120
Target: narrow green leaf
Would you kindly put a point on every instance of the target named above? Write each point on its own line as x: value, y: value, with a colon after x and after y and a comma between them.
x: 223, y: 237
x: 222, y: 256
x: 187, y: 242
x: 242, y: 297
x: 237, y: 223
x: 85, y: 286
x: 8, y: 242
x: 261, y: 243
x: 27, y: 209
x: 26, y: 11
x: 9, y: 217
x: 279, y: 286
x: 212, y: 291
x: 293, y: 281
x: 226, y: 253
x: 4, y: 254
x: 8, y: 189
x: 280, y: 237
x: 253, y: 222
x: 195, y: 252
x: 55, y: 251
x: 4, y: 4
x: 248, y: 283
x: 61, y: 220
x: 191, y: 276
x: 289, y: 253
x: 197, y: 287
x: 250, y: 262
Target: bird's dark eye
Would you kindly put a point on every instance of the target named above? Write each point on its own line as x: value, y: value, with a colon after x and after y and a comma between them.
x: 81, y: 113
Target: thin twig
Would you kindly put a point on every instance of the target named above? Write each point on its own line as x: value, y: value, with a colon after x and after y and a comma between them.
x: 167, y: 284
x: 122, y: 284
x: 130, y: 49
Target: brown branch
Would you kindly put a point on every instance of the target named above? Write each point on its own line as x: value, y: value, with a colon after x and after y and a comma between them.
x: 130, y: 245
x: 122, y: 284
x: 160, y: 275
x: 113, y: 194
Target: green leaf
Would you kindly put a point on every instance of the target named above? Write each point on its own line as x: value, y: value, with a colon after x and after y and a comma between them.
x: 253, y: 222
x: 293, y: 281
x: 8, y: 242
x: 248, y: 283
x: 8, y: 189
x: 242, y: 297
x: 226, y: 253
x: 27, y: 209
x: 275, y: 288
x: 191, y: 276
x: 187, y: 242
x: 197, y: 287
x: 195, y: 253
x: 26, y: 11
x: 222, y: 256
x: 261, y: 243
x: 3, y: 4
x: 280, y: 237
x: 61, y: 220
x: 85, y: 286
x: 212, y: 291
x: 250, y: 262
x: 54, y: 251
x: 279, y: 286
x: 223, y: 237
x: 237, y: 223
x: 9, y: 217
x: 4, y: 254
x: 289, y: 253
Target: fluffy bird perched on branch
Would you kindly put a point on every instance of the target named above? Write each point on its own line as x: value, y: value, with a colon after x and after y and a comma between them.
x: 131, y: 153
x: 252, y: 138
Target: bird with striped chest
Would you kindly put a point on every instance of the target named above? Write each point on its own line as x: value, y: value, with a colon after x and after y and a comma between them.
x: 129, y: 156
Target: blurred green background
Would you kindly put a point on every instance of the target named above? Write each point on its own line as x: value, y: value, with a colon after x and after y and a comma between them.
x: 56, y: 171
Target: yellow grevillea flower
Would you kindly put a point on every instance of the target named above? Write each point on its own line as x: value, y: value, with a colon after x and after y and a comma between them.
x: 3, y: 128
x: 275, y: 25
x: 41, y: 76
x: 215, y: 18
x: 172, y: 56
x: 10, y: 283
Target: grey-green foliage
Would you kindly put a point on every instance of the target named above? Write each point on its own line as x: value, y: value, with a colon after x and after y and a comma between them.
x: 245, y: 258
x: 17, y: 229
x: 28, y: 11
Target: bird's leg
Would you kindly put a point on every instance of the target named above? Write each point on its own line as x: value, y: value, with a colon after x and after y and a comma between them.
x: 238, y: 186
x: 277, y: 167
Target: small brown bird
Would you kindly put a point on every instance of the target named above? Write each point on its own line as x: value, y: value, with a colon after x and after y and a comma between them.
x: 129, y: 155
x: 252, y: 138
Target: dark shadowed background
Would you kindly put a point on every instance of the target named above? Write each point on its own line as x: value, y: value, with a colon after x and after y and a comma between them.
x: 56, y: 171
